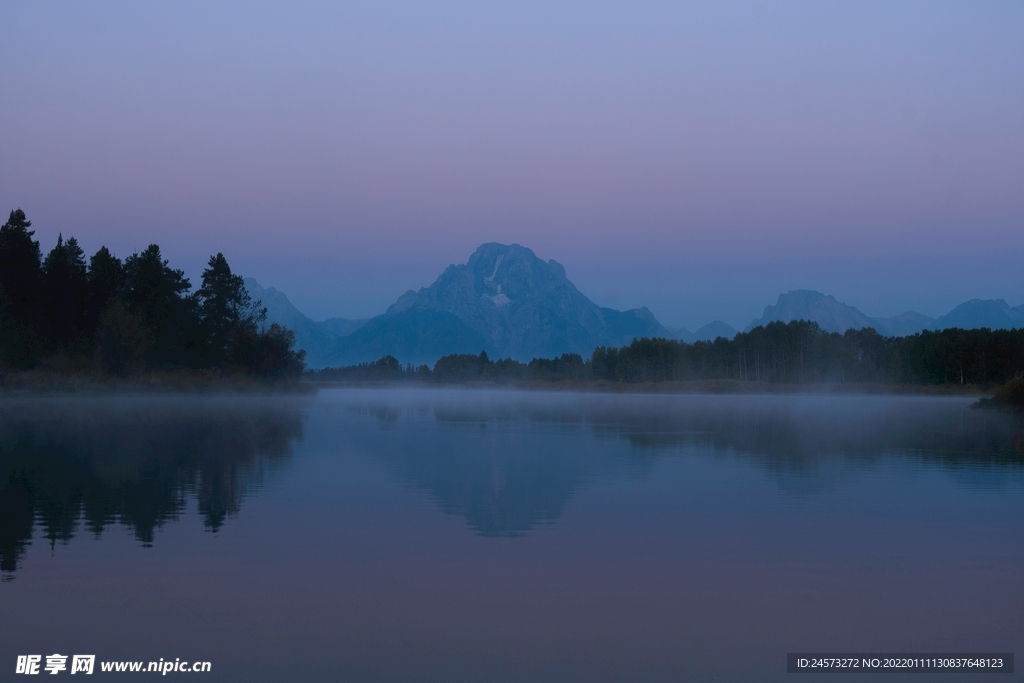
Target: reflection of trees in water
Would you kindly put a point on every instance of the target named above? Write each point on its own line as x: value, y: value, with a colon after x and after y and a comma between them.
x: 95, y: 462
x: 506, y: 465
x: 793, y: 434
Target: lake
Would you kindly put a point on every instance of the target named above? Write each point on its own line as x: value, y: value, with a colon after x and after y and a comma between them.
x: 490, y: 535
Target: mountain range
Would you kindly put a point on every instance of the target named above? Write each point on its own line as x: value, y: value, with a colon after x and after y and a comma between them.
x: 833, y: 316
x: 508, y: 302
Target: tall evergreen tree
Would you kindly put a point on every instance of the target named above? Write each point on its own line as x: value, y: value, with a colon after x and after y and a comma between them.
x: 64, y: 295
x: 106, y: 279
x: 226, y: 309
x: 20, y: 266
x: 158, y: 295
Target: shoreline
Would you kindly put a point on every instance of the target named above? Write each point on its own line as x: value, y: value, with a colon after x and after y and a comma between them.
x: 41, y: 382
x: 709, y: 387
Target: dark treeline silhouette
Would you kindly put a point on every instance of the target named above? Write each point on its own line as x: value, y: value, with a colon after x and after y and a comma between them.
x: 798, y: 352
x: 74, y: 467
x: 123, y: 317
x: 458, y: 368
x: 387, y: 369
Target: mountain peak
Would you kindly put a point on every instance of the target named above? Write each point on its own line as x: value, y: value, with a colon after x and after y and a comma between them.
x: 497, y: 279
x: 516, y: 303
x: 807, y: 304
x: 506, y: 274
x: 488, y: 252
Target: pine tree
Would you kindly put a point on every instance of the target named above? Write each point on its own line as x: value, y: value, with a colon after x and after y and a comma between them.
x: 20, y: 266
x: 106, y: 280
x: 227, y: 311
x: 158, y: 295
x: 64, y: 295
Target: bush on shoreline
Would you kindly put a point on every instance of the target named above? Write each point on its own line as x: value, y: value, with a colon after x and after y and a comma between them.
x: 1009, y: 396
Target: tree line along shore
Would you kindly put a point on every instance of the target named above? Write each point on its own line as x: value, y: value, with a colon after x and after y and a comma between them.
x: 106, y: 318
x: 775, y: 356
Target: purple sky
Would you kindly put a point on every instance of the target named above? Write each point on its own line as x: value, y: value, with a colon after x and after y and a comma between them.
x: 698, y: 160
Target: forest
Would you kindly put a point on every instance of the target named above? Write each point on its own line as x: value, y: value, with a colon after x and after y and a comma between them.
x: 795, y: 353
x: 103, y: 315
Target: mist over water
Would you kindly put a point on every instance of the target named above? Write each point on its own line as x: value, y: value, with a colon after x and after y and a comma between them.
x: 417, y: 534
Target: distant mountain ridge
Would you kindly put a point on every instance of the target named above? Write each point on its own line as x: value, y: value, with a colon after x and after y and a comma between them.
x: 506, y: 301
x: 833, y: 316
x: 709, y: 332
x: 992, y: 313
x: 316, y: 339
x: 503, y: 300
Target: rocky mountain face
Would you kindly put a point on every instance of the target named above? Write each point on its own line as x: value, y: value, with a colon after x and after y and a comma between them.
x: 341, y: 327
x: 505, y: 301
x: 833, y: 316
x: 993, y: 313
x: 316, y: 339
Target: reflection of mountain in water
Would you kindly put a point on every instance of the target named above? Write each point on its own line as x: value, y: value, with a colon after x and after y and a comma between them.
x: 485, y: 467
x: 132, y: 461
x: 509, y: 462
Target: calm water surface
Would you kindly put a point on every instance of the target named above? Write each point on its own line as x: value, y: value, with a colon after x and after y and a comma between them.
x: 450, y: 535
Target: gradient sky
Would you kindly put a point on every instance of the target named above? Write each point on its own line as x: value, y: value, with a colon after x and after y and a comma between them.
x: 698, y: 159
